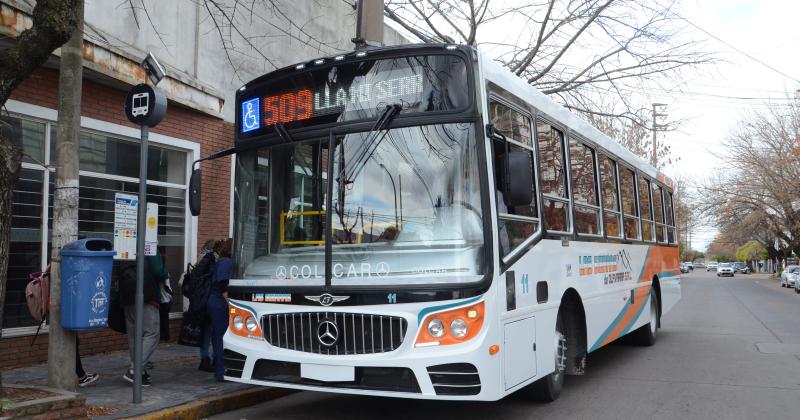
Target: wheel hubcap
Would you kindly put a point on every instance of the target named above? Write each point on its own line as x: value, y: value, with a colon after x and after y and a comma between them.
x: 653, y: 317
x: 561, y: 355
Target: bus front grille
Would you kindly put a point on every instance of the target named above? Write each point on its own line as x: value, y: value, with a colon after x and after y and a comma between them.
x: 334, y: 333
x: 455, y: 379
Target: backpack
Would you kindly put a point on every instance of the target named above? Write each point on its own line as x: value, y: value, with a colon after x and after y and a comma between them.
x: 199, y: 285
x: 37, y: 294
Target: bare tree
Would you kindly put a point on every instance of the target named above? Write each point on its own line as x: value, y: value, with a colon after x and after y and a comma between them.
x: 756, y: 198
x: 53, y: 23
x: 632, y: 135
x: 631, y: 44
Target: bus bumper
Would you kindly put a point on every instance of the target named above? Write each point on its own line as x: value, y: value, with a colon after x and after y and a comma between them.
x: 464, y: 371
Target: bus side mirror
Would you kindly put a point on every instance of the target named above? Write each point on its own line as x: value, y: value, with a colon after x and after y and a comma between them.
x: 519, y: 179
x: 194, y: 192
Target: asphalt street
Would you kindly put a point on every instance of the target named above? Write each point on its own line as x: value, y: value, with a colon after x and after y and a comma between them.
x: 730, y: 349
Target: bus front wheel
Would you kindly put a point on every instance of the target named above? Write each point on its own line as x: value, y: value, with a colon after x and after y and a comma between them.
x: 549, y: 388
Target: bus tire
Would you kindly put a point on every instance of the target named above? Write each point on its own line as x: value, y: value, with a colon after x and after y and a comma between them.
x: 549, y: 388
x: 646, y: 334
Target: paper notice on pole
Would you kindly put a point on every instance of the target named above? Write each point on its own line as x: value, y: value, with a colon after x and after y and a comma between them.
x: 151, y: 233
x: 125, y: 206
x: 125, y: 217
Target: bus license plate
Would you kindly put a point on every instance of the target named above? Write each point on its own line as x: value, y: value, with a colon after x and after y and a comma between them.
x: 328, y: 373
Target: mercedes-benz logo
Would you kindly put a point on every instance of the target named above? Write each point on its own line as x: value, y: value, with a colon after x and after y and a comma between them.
x: 327, y: 333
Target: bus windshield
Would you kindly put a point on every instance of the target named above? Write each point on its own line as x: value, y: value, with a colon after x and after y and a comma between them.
x: 404, y: 208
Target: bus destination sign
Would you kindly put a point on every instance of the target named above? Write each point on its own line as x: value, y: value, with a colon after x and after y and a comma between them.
x: 354, y: 91
x: 303, y: 104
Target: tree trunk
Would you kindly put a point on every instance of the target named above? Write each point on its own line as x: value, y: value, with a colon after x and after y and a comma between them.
x: 61, y: 350
x: 10, y: 158
x: 53, y: 22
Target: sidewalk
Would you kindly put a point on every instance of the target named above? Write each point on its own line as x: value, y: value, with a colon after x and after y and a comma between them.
x: 176, y: 382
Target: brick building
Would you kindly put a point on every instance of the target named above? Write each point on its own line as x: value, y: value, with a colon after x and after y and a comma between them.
x: 202, y: 79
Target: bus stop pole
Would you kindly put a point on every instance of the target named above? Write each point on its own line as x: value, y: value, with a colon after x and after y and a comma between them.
x: 140, y: 237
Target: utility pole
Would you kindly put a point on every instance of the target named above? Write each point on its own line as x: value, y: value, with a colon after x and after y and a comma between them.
x: 61, y: 345
x: 369, y: 24
x: 656, y: 126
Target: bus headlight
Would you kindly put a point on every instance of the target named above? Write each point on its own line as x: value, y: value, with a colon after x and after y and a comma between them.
x: 251, y: 324
x: 436, y: 328
x: 458, y: 328
x: 464, y: 324
x: 238, y: 322
x: 244, y: 322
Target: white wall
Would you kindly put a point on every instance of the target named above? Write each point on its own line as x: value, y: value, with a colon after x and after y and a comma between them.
x: 189, y: 42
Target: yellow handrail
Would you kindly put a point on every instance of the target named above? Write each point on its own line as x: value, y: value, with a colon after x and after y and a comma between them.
x: 285, y: 214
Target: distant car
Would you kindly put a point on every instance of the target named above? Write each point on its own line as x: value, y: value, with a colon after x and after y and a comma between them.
x: 712, y: 266
x: 741, y: 267
x: 684, y: 268
x: 725, y: 269
x: 796, y: 286
x: 789, y: 275
x: 689, y: 265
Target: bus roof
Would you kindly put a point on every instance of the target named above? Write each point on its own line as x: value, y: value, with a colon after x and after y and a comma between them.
x: 502, y: 77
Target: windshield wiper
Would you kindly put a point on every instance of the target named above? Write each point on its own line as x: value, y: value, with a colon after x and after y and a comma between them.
x: 373, y: 140
x: 283, y: 133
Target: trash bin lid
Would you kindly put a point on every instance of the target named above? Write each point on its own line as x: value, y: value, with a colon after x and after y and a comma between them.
x: 90, y: 247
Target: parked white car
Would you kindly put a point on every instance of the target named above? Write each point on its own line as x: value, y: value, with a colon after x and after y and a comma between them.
x: 712, y: 266
x: 725, y: 269
x: 789, y: 275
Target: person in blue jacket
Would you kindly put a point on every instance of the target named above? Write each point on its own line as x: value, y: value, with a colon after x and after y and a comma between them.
x: 217, y: 306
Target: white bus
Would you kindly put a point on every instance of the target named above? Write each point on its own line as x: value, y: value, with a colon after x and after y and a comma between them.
x: 417, y: 222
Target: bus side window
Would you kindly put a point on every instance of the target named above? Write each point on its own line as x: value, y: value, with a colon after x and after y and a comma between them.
x: 647, y: 214
x: 518, y: 223
x: 658, y: 209
x: 612, y: 220
x: 584, y: 188
x: 553, y: 177
x: 670, y: 219
x: 627, y: 184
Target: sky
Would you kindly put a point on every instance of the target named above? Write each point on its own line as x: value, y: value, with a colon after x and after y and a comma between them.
x: 758, y: 63
x: 713, y: 103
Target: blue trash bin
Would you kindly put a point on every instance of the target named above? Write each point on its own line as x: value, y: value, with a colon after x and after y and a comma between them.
x: 86, y: 283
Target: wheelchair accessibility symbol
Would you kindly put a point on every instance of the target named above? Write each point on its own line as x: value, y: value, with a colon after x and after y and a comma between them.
x: 250, y: 115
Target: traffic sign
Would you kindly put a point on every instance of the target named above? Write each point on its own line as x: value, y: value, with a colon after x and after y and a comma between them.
x: 145, y: 105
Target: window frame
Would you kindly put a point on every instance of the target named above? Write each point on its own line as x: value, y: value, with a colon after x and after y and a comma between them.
x: 653, y: 186
x: 567, y: 180
x: 637, y: 217
x: 598, y: 209
x: 616, y: 213
x: 648, y: 181
x: 513, y: 253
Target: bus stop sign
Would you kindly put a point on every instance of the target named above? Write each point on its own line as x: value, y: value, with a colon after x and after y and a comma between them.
x: 145, y: 105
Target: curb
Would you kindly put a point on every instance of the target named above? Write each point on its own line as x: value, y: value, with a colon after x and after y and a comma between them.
x: 210, y: 406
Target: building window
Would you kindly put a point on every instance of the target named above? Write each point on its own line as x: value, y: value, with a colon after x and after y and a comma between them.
x: 108, y: 165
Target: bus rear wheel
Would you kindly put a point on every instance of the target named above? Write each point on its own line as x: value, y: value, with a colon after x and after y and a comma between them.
x: 549, y: 388
x: 646, y: 334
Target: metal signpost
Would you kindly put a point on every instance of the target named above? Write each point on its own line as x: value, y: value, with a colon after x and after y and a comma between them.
x: 146, y: 107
